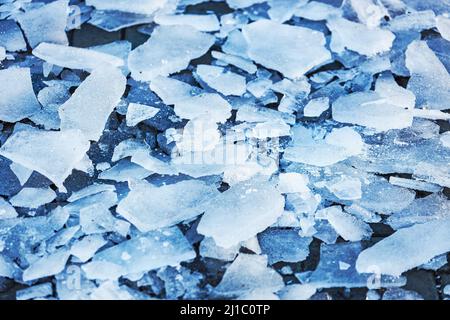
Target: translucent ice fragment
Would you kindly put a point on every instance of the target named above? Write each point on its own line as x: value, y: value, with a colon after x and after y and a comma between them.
x: 291, y: 182
x: 225, y: 82
x: 346, y: 35
x: 33, y: 197
x: 102, y: 89
x: 22, y: 173
x: 236, y: 4
x: 75, y: 58
x: 316, y: 107
x: 208, y: 248
x: 51, y: 153
x: 136, y: 6
x: 6, y: 210
x: 329, y: 273
x: 413, y: 21
x: 421, y: 210
x: 97, y: 218
x: 209, y: 105
x: 11, y: 37
x: 443, y: 26
x: 236, y: 61
x: 148, y: 251
x: 297, y: 291
x: 85, y: 248
x: 371, y: 110
x: 38, y: 291
x: 248, y: 273
x: 18, y: 99
x: 402, y: 251
x: 337, y: 146
x: 429, y: 81
x: 48, y: 265
x: 123, y: 171
x: 347, y: 226
x: 149, y: 208
x: 284, y: 245
x: 401, y: 294
x: 46, y: 23
x: 138, y: 112
x: 169, y: 50
x: 241, y: 212
x: 201, y: 22
x: 415, y: 184
x: 271, y: 44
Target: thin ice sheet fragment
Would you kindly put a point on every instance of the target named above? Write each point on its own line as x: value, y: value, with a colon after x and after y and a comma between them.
x: 51, y: 153
x: 169, y: 50
x: 136, y: 6
x: 145, y: 252
x: 138, y: 112
x: 75, y: 58
x: 402, y: 251
x: 241, y: 212
x: 429, y: 81
x: 347, y: 34
x: 18, y: 100
x: 272, y: 45
x: 102, y: 89
x: 46, y: 23
x: 11, y: 37
x: 149, y: 207
x: 33, y: 197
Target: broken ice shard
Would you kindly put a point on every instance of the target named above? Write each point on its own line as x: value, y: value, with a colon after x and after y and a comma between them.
x: 33, y: 197
x: 169, y: 50
x: 443, y: 26
x: 289, y: 49
x: 247, y: 274
x: 18, y: 100
x: 149, y: 207
x: 337, y: 269
x: 284, y: 245
x: 371, y: 110
x: 346, y: 34
x: 46, y: 23
x: 347, y: 226
x: 47, y: 265
x: 429, y: 81
x: 201, y: 22
x: 148, y: 251
x: 225, y: 82
x: 136, y: 6
x: 102, y: 89
x: 138, y: 112
x: 11, y: 37
x: 210, y: 105
x: 241, y: 212
x: 75, y: 58
x: 6, y: 210
x: 407, y: 248
x: 338, y: 145
x: 51, y: 153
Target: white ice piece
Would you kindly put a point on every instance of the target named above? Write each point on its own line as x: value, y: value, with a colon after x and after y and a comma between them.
x: 33, y: 197
x: 139, y: 112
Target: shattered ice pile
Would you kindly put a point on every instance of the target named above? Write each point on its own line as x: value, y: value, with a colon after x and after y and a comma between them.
x: 237, y: 149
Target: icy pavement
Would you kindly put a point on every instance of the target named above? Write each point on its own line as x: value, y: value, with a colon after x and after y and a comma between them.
x: 238, y: 149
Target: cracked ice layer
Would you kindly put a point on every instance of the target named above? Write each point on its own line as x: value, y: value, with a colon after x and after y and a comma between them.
x: 169, y: 50
x: 102, y: 89
x: 51, y: 153
x: 289, y: 49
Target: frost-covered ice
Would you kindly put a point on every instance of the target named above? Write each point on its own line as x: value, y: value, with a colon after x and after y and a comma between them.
x: 238, y: 149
